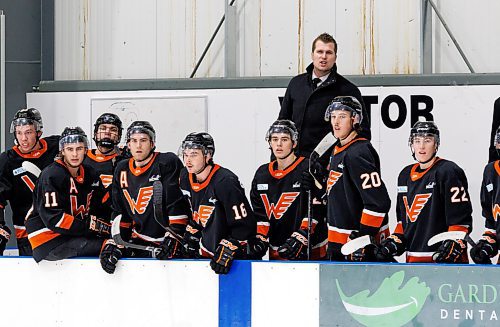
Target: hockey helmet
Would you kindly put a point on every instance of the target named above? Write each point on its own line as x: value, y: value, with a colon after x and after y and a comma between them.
x: 283, y: 126
x: 108, y: 118
x: 424, y: 128
x: 141, y: 127
x: 73, y: 135
x: 199, y: 140
x: 30, y: 116
x: 346, y: 103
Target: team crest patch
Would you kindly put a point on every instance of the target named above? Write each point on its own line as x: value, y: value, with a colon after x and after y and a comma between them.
x: 18, y: 171
x: 489, y: 187
x: 296, y: 185
x: 402, y: 189
x: 430, y: 185
x: 262, y: 187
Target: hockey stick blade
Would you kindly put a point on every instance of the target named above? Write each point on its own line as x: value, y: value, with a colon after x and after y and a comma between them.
x: 453, y: 235
x: 355, y: 244
x: 320, y: 149
x: 32, y: 168
x: 115, y: 233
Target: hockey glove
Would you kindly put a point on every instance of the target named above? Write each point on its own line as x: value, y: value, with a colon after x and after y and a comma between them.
x: 170, y: 247
x: 4, y: 237
x: 192, y: 237
x: 109, y: 256
x: 99, y: 227
x: 307, y: 181
x: 295, y: 247
x: 485, y: 249
x: 365, y: 254
x: 394, y: 245
x: 318, y: 172
x: 224, y: 255
x: 257, y: 247
x: 450, y: 251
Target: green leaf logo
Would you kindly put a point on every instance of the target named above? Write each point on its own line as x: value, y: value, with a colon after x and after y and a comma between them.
x: 391, y: 305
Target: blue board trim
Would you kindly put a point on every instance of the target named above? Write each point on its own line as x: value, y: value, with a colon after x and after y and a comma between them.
x: 235, y: 296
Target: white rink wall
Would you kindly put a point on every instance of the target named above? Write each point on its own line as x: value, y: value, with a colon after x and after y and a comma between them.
x: 239, y: 118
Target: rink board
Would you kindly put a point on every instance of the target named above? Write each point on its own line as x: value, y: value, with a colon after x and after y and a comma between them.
x: 77, y: 292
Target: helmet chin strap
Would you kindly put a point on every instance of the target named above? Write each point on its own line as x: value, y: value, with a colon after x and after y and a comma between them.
x: 34, y: 145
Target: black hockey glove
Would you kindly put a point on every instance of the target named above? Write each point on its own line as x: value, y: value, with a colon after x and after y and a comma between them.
x: 192, y: 237
x: 365, y: 254
x: 307, y: 181
x: 98, y: 226
x: 257, y: 247
x: 485, y: 249
x: 318, y: 172
x: 450, y: 251
x: 295, y: 247
x: 394, y: 245
x: 109, y: 256
x: 170, y: 247
x: 224, y: 255
x: 4, y: 237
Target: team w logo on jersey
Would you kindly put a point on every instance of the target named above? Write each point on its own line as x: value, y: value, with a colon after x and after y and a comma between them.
x: 417, y: 205
x: 143, y: 197
x: 203, y: 214
x: 81, y: 210
x: 278, y: 209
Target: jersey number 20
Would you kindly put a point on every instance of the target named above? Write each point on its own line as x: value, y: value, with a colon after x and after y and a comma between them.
x: 370, y: 180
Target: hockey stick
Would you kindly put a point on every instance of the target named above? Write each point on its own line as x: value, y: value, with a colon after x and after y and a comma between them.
x: 32, y: 168
x: 320, y: 149
x: 158, y: 209
x: 473, y: 244
x: 355, y: 244
x: 115, y: 233
x: 444, y: 236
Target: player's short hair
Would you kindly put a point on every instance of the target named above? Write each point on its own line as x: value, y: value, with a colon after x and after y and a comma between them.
x: 325, y: 38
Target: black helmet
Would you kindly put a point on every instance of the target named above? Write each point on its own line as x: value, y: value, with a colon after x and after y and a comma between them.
x: 73, y: 135
x: 283, y: 126
x: 347, y: 103
x: 424, y: 128
x: 141, y: 126
x: 30, y: 116
x: 199, y: 140
x: 108, y: 118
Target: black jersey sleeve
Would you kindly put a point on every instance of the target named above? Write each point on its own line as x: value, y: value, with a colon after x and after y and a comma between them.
x: 488, y: 190
x: 364, y: 171
x: 259, y: 209
x: 457, y: 204
x: 5, y: 180
x: 240, y: 217
x: 53, y: 205
x: 176, y: 207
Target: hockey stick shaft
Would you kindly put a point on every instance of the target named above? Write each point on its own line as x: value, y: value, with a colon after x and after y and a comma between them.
x: 309, y: 224
x: 158, y: 209
x: 115, y: 233
x: 326, y: 143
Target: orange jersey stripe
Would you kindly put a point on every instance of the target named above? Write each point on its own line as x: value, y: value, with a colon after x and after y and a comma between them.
x: 21, y: 233
x: 411, y: 259
x: 262, y: 229
x: 42, y: 238
x: 305, y: 224
x: 399, y: 228
x: 337, y: 237
x: 372, y: 219
x: 66, y: 221
x: 458, y: 228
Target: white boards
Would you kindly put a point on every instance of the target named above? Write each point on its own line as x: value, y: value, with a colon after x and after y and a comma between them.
x: 173, y: 117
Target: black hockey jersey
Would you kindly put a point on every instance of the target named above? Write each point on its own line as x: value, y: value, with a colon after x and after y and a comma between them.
x: 17, y: 184
x: 220, y: 207
x: 280, y: 207
x: 104, y: 166
x: 62, y: 204
x: 430, y: 202
x: 490, y: 197
x: 357, y: 197
x: 132, y: 193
